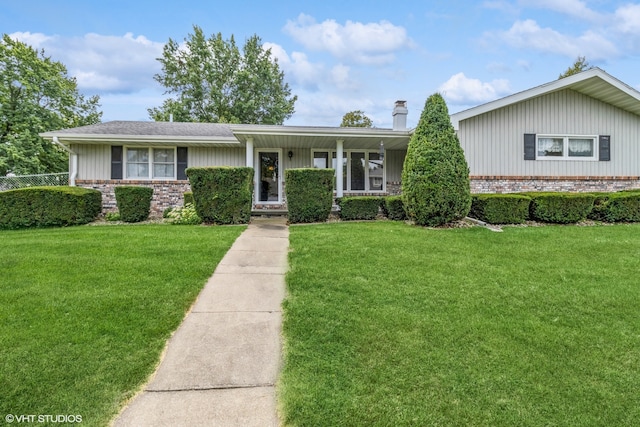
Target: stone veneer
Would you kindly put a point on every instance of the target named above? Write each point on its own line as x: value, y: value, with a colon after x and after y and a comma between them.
x: 577, y: 184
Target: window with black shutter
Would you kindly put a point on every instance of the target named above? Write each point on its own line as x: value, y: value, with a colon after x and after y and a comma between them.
x: 181, y: 163
x: 529, y: 146
x: 116, y: 162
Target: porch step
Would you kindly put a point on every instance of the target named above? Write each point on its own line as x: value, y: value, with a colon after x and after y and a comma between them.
x: 269, y: 212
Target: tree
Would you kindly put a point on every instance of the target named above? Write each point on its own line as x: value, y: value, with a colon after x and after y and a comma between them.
x: 36, y: 95
x: 579, y: 66
x: 356, y: 119
x: 435, y: 177
x: 214, y: 82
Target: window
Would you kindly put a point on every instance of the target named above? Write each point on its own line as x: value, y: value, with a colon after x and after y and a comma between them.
x: 553, y: 147
x: 150, y: 163
x: 362, y: 170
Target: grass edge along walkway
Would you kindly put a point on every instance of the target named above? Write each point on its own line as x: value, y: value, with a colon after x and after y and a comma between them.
x: 86, y: 311
x: 387, y: 324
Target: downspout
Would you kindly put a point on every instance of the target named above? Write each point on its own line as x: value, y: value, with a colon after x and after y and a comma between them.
x: 73, y: 164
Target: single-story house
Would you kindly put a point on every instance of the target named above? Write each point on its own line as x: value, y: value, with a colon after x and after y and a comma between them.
x: 580, y: 133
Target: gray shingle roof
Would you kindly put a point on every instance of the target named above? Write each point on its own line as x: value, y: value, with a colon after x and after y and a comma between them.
x: 150, y: 129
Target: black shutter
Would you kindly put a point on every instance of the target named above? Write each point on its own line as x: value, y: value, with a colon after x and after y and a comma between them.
x: 529, y: 146
x: 181, y: 163
x: 604, y: 148
x: 116, y: 162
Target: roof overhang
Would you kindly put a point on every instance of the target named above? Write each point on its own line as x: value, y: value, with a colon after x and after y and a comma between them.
x: 159, y: 140
x: 292, y: 137
x: 594, y: 83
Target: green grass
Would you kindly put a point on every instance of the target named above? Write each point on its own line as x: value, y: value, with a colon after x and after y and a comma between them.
x: 387, y: 324
x: 85, y: 311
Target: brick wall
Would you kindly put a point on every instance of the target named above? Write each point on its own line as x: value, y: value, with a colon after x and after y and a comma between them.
x: 577, y: 184
x: 165, y: 193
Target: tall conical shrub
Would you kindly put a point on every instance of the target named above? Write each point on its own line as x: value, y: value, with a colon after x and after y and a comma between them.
x: 435, y: 177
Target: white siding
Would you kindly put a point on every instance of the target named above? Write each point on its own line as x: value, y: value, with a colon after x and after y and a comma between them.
x: 212, y: 156
x: 394, y: 160
x: 494, y: 142
x: 94, y: 161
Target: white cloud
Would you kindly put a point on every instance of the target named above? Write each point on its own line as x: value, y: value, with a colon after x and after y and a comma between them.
x: 529, y: 35
x: 371, y: 43
x: 627, y: 19
x: 462, y: 90
x: 575, y: 8
x: 104, y: 64
x: 297, y: 67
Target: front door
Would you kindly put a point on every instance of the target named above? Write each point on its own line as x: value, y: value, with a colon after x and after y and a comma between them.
x: 268, y: 181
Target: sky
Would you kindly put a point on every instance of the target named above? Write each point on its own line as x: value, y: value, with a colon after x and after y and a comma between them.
x: 338, y: 56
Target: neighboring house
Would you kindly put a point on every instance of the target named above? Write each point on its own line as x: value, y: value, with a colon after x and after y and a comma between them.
x: 580, y: 133
x: 156, y: 154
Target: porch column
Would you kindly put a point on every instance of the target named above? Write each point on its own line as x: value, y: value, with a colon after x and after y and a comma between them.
x: 249, y: 160
x: 339, y: 175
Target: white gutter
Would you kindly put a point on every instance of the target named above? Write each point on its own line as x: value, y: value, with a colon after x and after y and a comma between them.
x: 73, y: 166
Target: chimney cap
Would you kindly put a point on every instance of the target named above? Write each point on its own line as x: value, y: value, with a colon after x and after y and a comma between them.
x: 400, y: 103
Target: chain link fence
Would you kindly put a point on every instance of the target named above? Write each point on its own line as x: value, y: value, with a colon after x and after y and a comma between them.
x: 51, y: 179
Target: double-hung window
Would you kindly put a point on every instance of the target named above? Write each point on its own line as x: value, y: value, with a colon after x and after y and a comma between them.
x: 558, y: 147
x: 150, y: 163
x: 362, y: 170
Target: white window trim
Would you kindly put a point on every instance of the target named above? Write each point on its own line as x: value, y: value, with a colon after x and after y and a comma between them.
x: 347, y: 156
x: 565, y: 146
x: 125, y: 169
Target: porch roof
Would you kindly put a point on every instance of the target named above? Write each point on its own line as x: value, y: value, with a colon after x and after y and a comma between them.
x: 270, y: 136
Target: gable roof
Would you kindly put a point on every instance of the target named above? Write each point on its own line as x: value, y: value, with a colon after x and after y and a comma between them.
x: 594, y: 83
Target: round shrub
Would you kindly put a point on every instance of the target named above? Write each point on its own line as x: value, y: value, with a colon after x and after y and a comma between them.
x: 184, y: 215
x: 134, y: 203
x: 309, y: 194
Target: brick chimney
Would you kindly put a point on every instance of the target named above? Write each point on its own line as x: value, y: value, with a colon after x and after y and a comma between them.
x: 400, y: 115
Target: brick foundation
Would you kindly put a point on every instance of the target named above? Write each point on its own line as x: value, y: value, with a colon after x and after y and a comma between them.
x: 576, y: 184
x: 165, y: 193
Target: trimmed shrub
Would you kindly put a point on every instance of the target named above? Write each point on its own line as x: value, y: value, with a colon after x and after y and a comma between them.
x: 112, y: 216
x: 435, y: 176
x: 560, y: 208
x: 222, y: 195
x: 48, y: 206
x: 393, y: 208
x: 188, y: 198
x: 309, y: 194
x: 599, y: 207
x: 621, y: 207
x: 500, y: 208
x: 134, y: 203
x: 359, y: 207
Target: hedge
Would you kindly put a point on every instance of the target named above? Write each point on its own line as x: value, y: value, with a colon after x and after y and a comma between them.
x: 359, y: 207
x: 309, y: 194
x: 222, y: 195
x: 48, y: 206
x: 623, y: 206
x: 188, y: 198
x: 393, y: 208
x: 134, y: 203
x: 500, y: 208
x: 561, y: 208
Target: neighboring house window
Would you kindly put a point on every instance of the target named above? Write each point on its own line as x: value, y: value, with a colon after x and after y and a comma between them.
x: 362, y: 170
x: 558, y: 147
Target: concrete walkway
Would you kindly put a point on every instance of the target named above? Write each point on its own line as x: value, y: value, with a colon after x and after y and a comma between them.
x: 221, y: 365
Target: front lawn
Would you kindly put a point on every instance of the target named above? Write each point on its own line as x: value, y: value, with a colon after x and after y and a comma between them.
x: 387, y: 324
x: 85, y: 311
